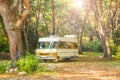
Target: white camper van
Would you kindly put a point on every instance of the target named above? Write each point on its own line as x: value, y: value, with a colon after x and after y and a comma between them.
x: 57, y: 48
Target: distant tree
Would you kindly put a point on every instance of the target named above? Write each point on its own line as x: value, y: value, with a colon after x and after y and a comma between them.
x: 53, y: 17
x: 32, y: 25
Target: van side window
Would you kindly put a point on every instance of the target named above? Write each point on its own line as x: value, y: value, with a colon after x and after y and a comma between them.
x: 56, y: 45
x: 68, y: 45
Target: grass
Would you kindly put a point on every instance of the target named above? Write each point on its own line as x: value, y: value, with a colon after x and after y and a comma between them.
x: 4, y: 65
x: 94, y: 58
x: 88, y: 63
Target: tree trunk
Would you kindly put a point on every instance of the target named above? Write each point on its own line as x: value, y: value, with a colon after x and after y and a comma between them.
x: 53, y: 17
x: 15, y: 44
x: 14, y: 35
x: 25, y: 29
x: 104, y: 39
x: 98, y: 13
x: 80, y: 43
x: 13, y: 24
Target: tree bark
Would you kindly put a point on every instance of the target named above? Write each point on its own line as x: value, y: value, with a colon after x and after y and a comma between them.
x: 53, y: 17
x: 13, y: 27
x: 105, y: 43
x: 25, y: 29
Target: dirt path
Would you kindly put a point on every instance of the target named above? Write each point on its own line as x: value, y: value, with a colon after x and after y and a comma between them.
x: 81, y: 69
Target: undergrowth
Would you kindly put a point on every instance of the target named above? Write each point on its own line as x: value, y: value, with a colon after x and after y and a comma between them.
x: 29, y: 64
x: 3, y: 66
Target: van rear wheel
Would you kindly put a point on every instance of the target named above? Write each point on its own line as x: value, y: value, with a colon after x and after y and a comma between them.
x: 67, y: 59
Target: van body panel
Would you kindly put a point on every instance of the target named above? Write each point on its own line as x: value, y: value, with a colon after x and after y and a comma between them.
x: 66, y: 48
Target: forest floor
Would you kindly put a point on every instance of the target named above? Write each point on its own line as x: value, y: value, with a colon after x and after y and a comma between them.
x: 86, y: 67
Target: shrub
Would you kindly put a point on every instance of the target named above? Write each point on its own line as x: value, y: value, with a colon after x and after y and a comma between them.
x: 116, y: 37
x: 40, y: 68
x: 113, y: 48
x: 29, y: 63
x: 94, y: 46
x: 118, y: 52
x: 3, y: 66
x: 4, y: 44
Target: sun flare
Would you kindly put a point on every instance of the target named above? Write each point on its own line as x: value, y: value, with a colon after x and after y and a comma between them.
x: 78, y: 3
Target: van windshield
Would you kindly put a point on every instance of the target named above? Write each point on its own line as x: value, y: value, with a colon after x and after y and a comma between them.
x: 61, y: 45
x: 47, y: 45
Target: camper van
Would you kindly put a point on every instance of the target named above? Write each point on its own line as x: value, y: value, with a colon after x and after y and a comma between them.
x: 57, y: 48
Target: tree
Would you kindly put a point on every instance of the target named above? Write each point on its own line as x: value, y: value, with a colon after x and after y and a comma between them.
x: 99, y: 9
x: 53, y: 16
x: 30, y: 30
x: 13, y: 19
x: 114, y: 22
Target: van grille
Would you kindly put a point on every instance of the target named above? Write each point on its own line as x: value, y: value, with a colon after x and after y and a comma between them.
x: 44, y: 54
x: 47, y: 54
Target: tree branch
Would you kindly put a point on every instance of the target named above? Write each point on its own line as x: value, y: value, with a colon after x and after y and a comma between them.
x: 14, y: 7
x: 2, y: 1
x: 27, y: 4
x: 25, y: 13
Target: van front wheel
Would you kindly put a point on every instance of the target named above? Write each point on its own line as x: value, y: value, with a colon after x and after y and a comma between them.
x: 55, y: 60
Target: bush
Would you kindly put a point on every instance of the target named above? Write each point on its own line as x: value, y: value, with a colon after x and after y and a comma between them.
x: 113, y: 48
x: 29, y: 63
x: 94, y: 46
x: 40, y: 68
x: 116, y: 37
x: 4, y: 44
x: 118, y: 52
x: 3, y: 66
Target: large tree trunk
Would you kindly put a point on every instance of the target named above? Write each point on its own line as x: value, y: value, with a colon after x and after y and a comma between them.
x: 105, y: 43
x: 98, y: 13
x: 13, y: 28
x: 104, y: 40
x: 15, y: 44
x: 15, y: 40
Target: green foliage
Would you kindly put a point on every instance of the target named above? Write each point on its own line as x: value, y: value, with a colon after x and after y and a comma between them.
x: 40, y: 69
x: 112, y: 47
x: 3, y: 44
x: 3, y: 66
x: 94, y: 46
x: 116, y: 41
x: 32, y: 39
x: 118, y: 52
x: 116, y: 37
x: 29, y: 63
x: 3, y: 37
x: 113, y: 50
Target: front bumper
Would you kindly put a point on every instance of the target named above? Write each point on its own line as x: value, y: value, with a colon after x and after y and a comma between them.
x: 46, y: 57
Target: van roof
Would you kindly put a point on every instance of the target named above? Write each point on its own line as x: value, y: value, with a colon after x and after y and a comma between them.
x: 66, y: 39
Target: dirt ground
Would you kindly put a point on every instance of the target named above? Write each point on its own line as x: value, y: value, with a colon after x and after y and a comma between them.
x: 84, y: 68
